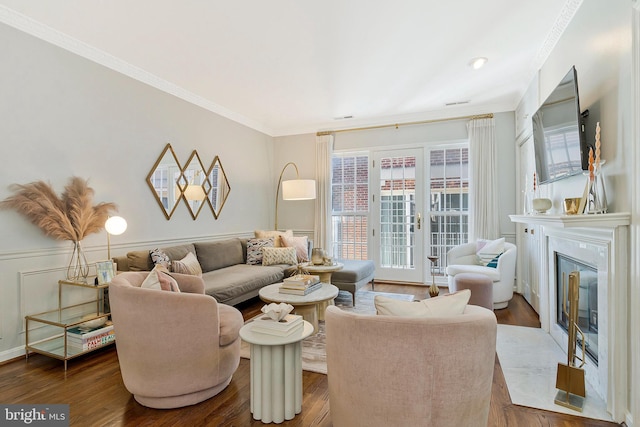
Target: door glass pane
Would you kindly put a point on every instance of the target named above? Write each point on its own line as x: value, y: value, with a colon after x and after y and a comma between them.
x: 397, y: 212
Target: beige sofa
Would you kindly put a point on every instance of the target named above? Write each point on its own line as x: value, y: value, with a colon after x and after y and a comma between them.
x: 406, y: 371
x: 226, y: 275
x: 174, y: 348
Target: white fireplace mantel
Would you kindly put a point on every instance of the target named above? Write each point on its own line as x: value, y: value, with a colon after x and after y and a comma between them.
x: 607, y: 236
x: 609, y: 220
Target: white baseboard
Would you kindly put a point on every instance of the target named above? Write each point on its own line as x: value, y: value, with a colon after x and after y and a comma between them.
x: 12, y: 353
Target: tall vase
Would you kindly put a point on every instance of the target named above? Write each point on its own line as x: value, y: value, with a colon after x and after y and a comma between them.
x: 78, y: 268
x: 597, y: 201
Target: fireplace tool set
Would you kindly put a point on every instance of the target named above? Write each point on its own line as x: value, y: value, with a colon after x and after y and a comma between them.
x: 570, y: 378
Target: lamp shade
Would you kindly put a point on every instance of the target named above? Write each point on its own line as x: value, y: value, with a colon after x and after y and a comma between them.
x: 299, y: 189
x: 115, y: 225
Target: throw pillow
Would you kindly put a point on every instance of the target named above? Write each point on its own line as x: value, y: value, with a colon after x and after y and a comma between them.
x: 273, y: 256
x: 301, y: 244
x: 159, y: 257
x: 254, y: 249
x: 159, y: 279
x: 263, y: 234
x: 442, y: 306
x: 187, y: 265
x: 490, y: 250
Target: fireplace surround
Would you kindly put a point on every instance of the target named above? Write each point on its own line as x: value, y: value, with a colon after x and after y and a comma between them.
x: 599, y: 243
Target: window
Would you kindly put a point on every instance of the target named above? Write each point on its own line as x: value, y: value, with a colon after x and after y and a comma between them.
x: 449, y: 200
x: 350, y: 205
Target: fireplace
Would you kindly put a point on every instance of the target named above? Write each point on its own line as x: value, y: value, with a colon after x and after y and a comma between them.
x: 597, y: 247
x: 587, y: 302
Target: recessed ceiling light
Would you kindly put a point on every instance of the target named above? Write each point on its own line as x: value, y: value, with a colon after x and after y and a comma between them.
x: 477, y: 63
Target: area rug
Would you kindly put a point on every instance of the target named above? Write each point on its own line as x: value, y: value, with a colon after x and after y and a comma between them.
x: 529, y: 360
x: 314, y: 357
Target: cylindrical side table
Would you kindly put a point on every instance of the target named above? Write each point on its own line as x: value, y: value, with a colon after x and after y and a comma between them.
x: 276, y: 373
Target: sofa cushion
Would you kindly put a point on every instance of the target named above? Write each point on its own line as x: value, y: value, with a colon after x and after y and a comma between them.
x: 219, y: 254
x: 275, y: 256
x: 229, y: 283
x: 139, y: 261
x: 301, y: 245
x: 187, y: 265
x: 442, y: 306
x: 254, y: 250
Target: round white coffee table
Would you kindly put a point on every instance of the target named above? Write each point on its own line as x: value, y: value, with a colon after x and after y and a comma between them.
x: 311, y: 306
x: 276, y: 373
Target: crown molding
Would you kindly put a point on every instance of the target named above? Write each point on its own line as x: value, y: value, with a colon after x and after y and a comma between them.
x: 37, y: 29
x: 566, y: 15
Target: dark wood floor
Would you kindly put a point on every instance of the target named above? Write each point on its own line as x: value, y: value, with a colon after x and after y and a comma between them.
x: 93, y: 387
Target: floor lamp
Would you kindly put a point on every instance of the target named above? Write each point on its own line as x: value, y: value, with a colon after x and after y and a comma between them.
x: 295, y: 189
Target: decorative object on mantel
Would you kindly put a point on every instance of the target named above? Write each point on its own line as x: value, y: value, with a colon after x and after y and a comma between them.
x: 541, y: 205
x: 433, y: 289
x: 571, y: 205
x: 68, y: 217
x: 596, y: 202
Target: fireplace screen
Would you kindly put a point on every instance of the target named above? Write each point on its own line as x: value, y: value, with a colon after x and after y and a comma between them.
x: 587, y: 303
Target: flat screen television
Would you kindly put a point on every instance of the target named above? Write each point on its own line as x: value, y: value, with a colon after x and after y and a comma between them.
x: 558, y: 133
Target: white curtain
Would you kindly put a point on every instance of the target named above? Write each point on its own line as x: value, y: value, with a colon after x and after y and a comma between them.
x: 322, y: 229
x: 483, y: 186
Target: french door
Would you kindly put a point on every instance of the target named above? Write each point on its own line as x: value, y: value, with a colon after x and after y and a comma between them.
x: 397, y: 215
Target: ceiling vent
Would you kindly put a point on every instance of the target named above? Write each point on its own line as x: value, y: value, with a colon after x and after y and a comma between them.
x: 449, y: 104
x: 343, y: 118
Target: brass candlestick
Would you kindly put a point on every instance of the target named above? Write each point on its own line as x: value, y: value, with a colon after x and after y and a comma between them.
x: 433, y: 289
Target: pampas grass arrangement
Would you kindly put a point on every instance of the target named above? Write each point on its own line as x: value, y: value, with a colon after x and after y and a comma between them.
x: 70, y: 216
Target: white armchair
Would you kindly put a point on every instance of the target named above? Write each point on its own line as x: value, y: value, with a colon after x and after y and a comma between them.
x: 463, y: 259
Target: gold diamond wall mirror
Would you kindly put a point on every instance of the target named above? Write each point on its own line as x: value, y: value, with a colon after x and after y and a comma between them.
x: 169, y: 183
x: 194, y: 185
x: 220, y: 187
x: 163, y: 181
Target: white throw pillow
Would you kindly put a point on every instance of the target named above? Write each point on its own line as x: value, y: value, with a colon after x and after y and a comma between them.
x: 159, y: 279
x: 490, y: 250
x: 273, y: 256
x: 442, y: 306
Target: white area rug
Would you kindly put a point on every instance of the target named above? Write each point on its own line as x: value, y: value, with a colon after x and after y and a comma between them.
x: 529, y: 359
x: 314, y: 357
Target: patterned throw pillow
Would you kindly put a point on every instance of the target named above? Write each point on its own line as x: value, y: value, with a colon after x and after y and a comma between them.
x: 254, y: 249
x: 159, y: 257
x: 301, y: 244
x: 490, y: 252
x: 187, y: 265
x: 273, y: 256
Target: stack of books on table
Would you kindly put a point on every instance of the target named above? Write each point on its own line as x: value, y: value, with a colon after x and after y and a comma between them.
x: 82, y: 338
x: 300, y: 284
x: 285, y: 327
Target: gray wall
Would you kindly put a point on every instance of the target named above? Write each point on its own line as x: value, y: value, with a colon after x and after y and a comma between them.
x: 62, y: 115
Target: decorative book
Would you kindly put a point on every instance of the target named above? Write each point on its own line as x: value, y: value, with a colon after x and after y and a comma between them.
x: 285, y: 327
x: 304, y: 291
x: 300, y: 281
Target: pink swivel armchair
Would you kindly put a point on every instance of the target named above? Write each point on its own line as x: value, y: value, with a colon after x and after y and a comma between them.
x: 175, y: 349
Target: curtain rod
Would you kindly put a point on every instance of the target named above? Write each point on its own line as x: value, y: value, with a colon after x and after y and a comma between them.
x: 397, y: 125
